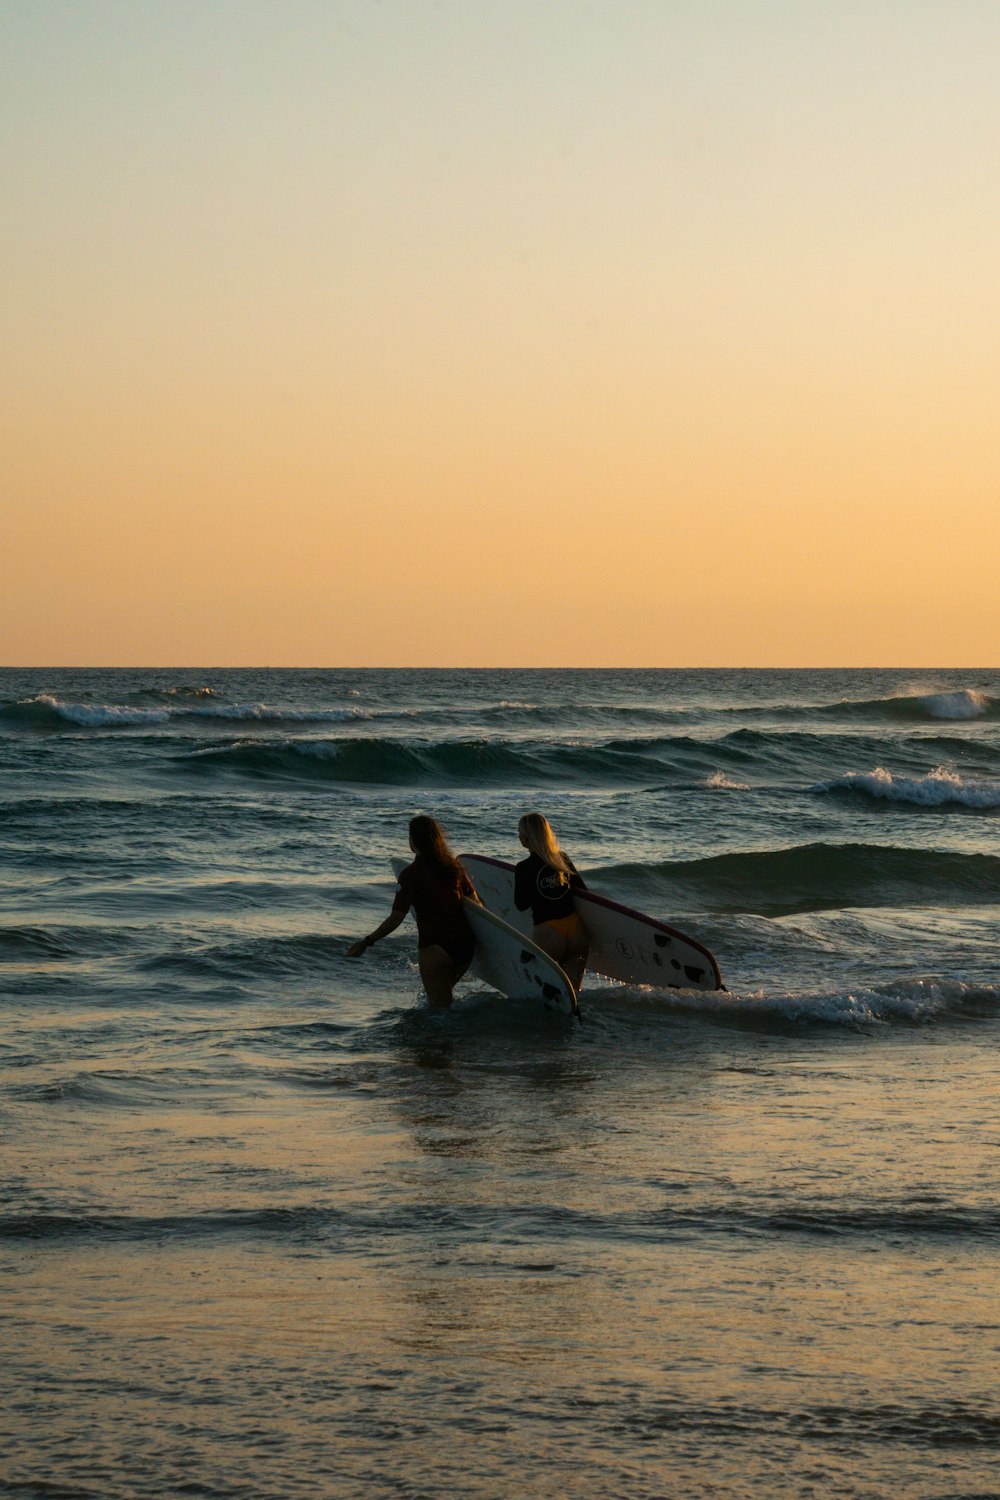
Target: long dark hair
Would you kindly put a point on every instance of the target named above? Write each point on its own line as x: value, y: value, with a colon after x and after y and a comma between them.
x: 427, y: 838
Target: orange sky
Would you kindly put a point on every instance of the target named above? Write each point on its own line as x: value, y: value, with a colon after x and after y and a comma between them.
x: 482, y: 333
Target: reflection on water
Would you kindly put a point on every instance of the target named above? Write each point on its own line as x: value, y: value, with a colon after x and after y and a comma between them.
x: 447, y: 1249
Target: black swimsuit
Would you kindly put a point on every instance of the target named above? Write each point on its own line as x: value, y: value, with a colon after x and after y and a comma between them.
x: 437, y: 906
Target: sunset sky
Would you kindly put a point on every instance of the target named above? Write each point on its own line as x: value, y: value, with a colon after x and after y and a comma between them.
x: 501, y: 332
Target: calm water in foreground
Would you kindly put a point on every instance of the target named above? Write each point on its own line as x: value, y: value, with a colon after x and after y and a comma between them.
x: 269, y: 1228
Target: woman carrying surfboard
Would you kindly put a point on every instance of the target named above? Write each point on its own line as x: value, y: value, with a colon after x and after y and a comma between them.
x: 545, y: 882
x: 434, y: 885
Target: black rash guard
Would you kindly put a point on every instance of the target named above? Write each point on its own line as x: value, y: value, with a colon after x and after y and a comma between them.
x: 545, y: 890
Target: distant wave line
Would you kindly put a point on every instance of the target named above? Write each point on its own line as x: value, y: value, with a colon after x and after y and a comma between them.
x: 679, y: 762
x: 47, y: 711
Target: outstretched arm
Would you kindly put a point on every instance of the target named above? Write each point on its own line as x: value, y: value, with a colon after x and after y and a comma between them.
x: 390, y: 924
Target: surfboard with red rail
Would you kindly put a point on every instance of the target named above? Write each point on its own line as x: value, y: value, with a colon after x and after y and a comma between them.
x: 624, y: 944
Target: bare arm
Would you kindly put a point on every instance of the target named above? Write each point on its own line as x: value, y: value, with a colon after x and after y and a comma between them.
x: 390, y: 924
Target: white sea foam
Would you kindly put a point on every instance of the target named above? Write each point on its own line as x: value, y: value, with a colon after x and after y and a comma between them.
x: 913, y: 1001
x: 264, y: 712
x: 964, y: 704
x: 720, y: 782
x: 96, y: 715
x: 938, y: 788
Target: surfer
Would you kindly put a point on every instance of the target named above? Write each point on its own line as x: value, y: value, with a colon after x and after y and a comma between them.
x: 545, y: 882
x: 433, y: 885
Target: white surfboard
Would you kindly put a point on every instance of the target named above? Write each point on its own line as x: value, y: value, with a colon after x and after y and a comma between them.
x: 624, y: 944
x: 507, y: 960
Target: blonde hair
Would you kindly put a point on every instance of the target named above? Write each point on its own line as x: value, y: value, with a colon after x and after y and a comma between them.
x: 539, y: 838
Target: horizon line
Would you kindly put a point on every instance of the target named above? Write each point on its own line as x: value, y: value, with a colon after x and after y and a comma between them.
x: 437, y: 667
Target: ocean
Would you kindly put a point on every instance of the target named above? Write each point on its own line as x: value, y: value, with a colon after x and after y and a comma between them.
x: 271, y: 1228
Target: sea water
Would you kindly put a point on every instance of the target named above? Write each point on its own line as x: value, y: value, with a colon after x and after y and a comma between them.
x: 269, y: 1227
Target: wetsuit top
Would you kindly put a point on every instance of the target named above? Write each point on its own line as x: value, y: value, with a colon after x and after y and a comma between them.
x: 545, y: 890
x: 437, y: 906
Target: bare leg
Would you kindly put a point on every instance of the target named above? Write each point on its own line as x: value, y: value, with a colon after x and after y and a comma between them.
x: 570, y: 953
x: 439, y: 973
x: 575, y: 958
x: 549, y: 940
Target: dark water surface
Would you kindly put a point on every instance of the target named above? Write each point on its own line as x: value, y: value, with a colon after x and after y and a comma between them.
x: 270, y: 1228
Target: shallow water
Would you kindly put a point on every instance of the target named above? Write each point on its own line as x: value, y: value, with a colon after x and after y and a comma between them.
x: 269, y: 1227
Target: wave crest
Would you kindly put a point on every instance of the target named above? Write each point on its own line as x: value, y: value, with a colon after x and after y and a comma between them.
x: 941, y: 787
x: 964, y: 704
x: 919, y: 705
x: 953, y: 704
x: 720, y: 782
x: 48, y: 712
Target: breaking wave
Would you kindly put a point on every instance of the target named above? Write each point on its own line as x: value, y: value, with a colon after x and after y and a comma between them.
x: 939, y: 788
x: 907, y: 708
x: 720, y: 782
x: 48, y: 712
